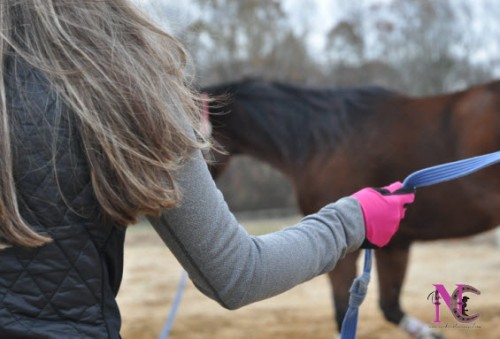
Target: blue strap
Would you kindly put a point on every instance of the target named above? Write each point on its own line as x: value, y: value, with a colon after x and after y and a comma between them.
x: 165, y: 332
x: 425, y: 177
x: 449, y: 171
x: 357, y: 295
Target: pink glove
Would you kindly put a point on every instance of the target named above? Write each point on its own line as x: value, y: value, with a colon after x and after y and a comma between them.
x: 383, y: 209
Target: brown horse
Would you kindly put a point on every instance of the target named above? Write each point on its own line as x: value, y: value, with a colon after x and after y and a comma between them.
x: 330, y: 142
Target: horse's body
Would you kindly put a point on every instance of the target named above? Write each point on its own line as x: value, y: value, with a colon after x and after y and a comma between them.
x: 332, y: 142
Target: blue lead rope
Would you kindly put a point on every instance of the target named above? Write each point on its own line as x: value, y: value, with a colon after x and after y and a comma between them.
x: 357, y: 292
x: 165, y: 332
x: 449, y: 171
x: 425, y: 177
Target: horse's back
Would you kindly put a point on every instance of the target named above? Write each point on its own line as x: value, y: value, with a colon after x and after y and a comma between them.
x: 404, y: 134
x: 470, y: 126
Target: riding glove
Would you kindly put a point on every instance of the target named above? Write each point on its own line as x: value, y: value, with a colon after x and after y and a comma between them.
x: 383, y: 209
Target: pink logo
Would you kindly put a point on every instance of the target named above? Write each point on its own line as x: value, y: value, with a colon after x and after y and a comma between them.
x: 456, y: 302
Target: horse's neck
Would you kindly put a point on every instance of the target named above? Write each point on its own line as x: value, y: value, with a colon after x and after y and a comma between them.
x: 260, y: 149
x: 245, y: 138
x: 272, y: 155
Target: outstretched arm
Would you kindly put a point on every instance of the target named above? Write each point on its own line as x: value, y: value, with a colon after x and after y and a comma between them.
x: 235, y: 268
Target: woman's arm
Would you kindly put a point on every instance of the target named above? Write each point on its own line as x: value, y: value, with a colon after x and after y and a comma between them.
x: 235, y: 268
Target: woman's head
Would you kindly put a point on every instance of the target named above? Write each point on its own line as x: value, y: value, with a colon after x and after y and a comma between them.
x: 124, y: 81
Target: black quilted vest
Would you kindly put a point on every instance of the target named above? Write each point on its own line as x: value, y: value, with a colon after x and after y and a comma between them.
x: 67, y: 288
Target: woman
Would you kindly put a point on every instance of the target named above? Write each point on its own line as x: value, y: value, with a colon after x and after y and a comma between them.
x: 98, y: 127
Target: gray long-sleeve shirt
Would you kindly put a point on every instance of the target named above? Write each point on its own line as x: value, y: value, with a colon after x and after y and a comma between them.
x: 235, y: 268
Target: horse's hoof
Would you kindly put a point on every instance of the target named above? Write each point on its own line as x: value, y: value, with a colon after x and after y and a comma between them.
x: 417, y: 329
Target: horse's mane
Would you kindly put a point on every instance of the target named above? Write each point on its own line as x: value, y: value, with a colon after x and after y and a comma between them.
x: 296, y: 118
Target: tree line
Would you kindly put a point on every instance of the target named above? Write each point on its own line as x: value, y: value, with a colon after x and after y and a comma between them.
x: 420, y: 47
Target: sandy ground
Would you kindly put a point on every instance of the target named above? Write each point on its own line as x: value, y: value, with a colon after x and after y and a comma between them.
x: 152, y: 274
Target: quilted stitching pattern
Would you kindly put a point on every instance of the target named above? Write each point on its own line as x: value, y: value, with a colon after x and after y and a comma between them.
x: 58, y: 290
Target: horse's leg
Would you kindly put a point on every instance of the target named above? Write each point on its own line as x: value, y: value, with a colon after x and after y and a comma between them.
x: 341, y: 279
x: 391, y: 268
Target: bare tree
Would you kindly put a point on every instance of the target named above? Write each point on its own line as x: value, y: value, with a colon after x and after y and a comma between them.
x: 232, y: 39
x: 423, y: 40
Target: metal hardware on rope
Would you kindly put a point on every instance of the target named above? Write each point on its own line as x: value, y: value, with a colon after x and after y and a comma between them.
x: 425, y: 177
x: 175, y: 306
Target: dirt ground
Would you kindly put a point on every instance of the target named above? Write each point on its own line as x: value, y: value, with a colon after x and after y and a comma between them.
x: 152, y: 274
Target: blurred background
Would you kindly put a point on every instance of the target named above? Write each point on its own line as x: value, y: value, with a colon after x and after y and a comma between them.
x: 420, y: 47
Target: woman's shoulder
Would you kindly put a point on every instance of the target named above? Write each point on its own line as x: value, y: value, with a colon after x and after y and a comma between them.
x: 28, y: 89
x: 20, y: 74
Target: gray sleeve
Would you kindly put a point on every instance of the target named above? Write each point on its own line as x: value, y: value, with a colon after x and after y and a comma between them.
x: 235, y: 268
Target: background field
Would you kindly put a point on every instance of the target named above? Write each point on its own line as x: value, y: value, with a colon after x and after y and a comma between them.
x: 152, y: 274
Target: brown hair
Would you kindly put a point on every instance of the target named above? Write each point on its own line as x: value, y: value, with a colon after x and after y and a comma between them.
x: 125, y: 81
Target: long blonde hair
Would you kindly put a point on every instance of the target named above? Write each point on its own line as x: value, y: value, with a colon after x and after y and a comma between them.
x: 124, y: 79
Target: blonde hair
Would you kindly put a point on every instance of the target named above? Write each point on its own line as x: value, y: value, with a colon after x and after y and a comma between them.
x: 124, y: 80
